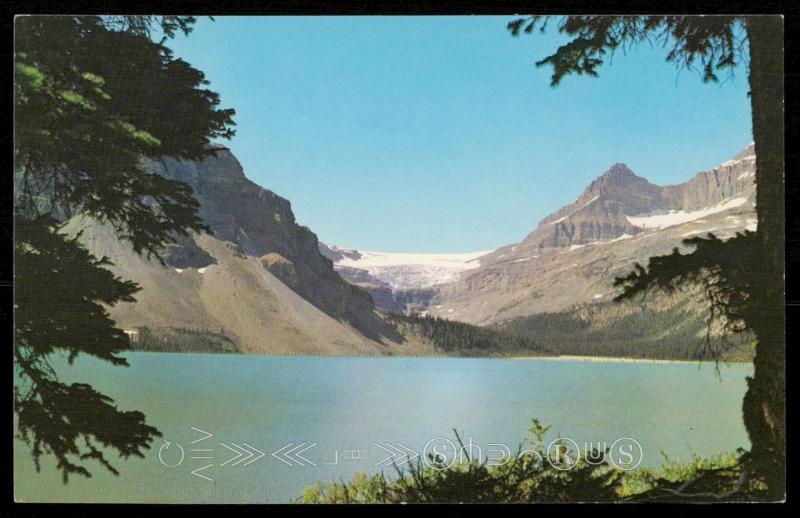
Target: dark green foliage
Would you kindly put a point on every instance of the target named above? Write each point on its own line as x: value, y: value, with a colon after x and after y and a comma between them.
x: 463, y: 339
x: 533, y: 475
x: 60, y: 289
x: 76, y: 421
x: 529, y: 477
x: 726, y: 270
x: 92, y: 97
x: 90, y: 103
x: 167, y: 26
x: 181, y: 340
x: 740, y: 292
x: 717, y: 42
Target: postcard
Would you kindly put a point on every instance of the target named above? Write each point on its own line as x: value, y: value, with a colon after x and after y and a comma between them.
x: 398, y: 259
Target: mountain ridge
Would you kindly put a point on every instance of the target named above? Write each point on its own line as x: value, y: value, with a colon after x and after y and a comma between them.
x: 267, y: 285
x: 618, y: 219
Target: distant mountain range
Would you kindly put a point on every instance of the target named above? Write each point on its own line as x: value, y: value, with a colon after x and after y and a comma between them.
x: 264, y: 284
x: 573, y: 255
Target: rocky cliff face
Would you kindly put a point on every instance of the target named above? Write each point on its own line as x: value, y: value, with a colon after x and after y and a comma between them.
x: 736, y: 177
x: 259, y: 280
x: 261, y: 224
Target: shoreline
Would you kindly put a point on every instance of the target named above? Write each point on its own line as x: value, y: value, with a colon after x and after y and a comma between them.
x: 564, y: 357
x: 620, y: 359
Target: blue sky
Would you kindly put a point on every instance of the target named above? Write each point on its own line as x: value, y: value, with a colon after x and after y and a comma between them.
x: 438, y: 134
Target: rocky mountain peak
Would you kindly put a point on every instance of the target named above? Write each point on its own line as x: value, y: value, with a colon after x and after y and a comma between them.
x: 617, y: 177
x: 575, y: 253
x: 618, y: 170
x: 601, y: 212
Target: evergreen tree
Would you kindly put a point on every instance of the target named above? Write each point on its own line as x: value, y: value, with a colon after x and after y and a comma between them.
x: 92, y: 97
x: 748, y: 270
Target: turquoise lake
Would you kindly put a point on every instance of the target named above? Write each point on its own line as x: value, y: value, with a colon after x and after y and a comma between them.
x: 335, y: 407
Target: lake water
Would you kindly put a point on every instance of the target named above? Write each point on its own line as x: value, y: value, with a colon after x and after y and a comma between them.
x: 349, y: 413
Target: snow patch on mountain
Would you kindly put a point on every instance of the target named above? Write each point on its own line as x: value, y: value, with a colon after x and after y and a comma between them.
x: 678, y: 217
x: 412, y: 270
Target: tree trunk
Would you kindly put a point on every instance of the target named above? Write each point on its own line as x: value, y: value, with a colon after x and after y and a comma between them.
x: 765, y: 401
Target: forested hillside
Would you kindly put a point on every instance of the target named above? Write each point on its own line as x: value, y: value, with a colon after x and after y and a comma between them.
x: 183, y: 340
x: 630, y: 331
x: 460, y: 339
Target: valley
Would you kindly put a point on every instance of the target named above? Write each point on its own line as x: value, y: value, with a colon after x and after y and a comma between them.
x: 259, y: 283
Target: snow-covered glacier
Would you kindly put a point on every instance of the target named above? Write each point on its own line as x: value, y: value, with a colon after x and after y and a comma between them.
x: 404, y: 271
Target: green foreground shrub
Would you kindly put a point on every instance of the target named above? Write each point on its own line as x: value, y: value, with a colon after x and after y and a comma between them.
x: 529, y: 477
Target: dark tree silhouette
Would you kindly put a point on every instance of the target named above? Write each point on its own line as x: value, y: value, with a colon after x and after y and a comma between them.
x: 743, y: 276
x: 92, y: 97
